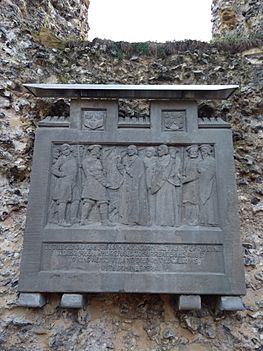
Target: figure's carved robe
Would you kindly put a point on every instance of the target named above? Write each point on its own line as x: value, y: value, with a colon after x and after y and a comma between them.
x: 207, y: 182
x: 165, y: 181
x: 150, y: 165
x: 95, y: 182
x: 65, y: 169
x: 133, y: 206
x: 190, y: 195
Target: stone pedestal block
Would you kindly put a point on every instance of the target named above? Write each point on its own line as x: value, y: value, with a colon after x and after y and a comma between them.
x: 72, y: 301
x: 189, y: 302
x: 31, y: 300
x: 230, y: 303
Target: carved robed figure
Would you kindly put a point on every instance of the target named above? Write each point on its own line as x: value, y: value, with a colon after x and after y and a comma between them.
x: 191, y: 189
x: 133, y: 207
x: 65, y: 189
x: 164, y: 183
x: 150, y: 165
x: 208, y: 200
x: 95, y: 187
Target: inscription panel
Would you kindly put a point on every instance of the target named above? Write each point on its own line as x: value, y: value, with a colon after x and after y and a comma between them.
x: 120, y: 257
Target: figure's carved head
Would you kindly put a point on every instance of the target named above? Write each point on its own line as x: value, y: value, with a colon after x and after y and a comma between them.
x: 149, y: 151
x: 66, y: 149
x: 162, y: 150
x: 192, y: 151
x: 94, y: 150
x: 132, y: 150
x: 206, y: 150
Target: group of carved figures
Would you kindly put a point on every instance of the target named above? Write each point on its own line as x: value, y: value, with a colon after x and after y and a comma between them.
x: 155, y: 185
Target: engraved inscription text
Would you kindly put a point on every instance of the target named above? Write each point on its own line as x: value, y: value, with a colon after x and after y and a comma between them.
x: 121, y: 257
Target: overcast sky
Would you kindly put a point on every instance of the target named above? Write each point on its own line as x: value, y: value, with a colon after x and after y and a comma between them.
x: 143, y: 20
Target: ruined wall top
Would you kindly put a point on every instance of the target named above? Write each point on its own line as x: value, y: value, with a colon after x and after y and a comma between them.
x: 51, y: 23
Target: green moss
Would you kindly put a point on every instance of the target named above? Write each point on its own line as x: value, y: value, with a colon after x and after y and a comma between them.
x: 236, y: 42
x: 161, y: 53
x: 64, y: 78
x: 140, y: 48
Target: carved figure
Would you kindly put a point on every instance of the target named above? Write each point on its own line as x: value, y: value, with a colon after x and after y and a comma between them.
x: 53, y: 209
x: 74, y: 207
x: 110, y: 158
x: 175, y: 153
x: 95, y: 187
x: 190, y: 182
x: 165, y: 181
x: 65, y: 169
x: 150, y: 164
x: 133, y: 206
x: 208, y: 203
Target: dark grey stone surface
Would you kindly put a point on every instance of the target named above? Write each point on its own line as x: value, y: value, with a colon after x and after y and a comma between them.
x: 133, y: 205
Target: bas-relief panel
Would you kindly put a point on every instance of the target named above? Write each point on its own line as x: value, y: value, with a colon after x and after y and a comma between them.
x: 156, y: 185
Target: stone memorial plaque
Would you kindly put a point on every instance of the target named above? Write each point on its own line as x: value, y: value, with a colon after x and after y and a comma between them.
x: 143, y: 204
